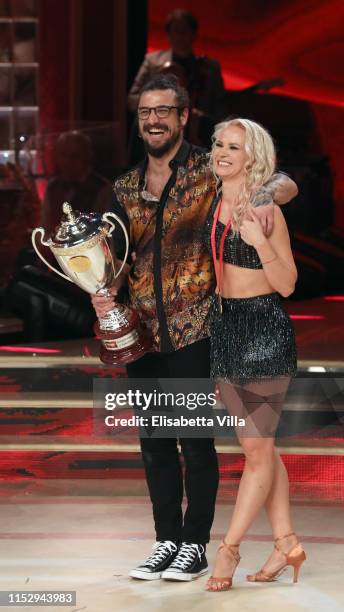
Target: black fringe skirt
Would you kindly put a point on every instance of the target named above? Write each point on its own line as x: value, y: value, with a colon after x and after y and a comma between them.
x: 252, y: 339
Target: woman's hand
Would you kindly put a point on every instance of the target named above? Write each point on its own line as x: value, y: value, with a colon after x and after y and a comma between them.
x: 251, y: 230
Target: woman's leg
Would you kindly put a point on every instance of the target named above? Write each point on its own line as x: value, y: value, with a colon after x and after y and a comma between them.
x: 254, y: 488
x: 255, y: 485
x: 277, y: 507
x: 277, y: 504
x: 260, y: 404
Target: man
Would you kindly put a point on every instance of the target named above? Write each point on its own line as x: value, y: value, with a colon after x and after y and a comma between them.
x: 200, y: 75
x: 76, y: 182
x: 164, y: 202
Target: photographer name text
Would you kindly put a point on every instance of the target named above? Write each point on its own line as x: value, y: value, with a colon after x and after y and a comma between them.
x: 164, y: 421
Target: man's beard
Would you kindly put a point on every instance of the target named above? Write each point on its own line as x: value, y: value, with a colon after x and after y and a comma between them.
x: 163, y: 149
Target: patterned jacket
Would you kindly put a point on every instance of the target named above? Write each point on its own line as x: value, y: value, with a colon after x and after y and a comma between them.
x: 172, y: 280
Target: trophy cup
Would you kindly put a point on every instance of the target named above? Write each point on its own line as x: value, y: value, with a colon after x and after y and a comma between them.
x: 80, y: 247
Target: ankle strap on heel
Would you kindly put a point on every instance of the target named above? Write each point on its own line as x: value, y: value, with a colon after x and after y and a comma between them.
x: 277, y: 547
x: 285, y: 536
x: 234, y: 553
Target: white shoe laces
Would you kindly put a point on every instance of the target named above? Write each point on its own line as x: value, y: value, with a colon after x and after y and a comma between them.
x: 186, y: 555
x: 160, y: 551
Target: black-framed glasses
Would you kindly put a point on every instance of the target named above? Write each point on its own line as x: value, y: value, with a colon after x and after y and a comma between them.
x: 161, y: 112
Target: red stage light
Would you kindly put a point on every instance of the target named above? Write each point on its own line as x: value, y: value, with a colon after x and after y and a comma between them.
x: 307, y: 317
x: 28, y: 349
x: 334, y: 298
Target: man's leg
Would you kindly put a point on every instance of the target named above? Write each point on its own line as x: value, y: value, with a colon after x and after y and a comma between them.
x: 201, y: 475
x: 201, y: 484
x: 165, y: 483
x: 201, y: 466
x: 164, y: 479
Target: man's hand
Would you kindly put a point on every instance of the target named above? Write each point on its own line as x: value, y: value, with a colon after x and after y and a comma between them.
x: 265, y: 215
x: 251, y: 229
x: 281, y: 188
x: 103, y: 304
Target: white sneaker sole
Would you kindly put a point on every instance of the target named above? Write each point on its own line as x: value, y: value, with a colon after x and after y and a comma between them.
x: 170, y: 575
x: 142, y: 575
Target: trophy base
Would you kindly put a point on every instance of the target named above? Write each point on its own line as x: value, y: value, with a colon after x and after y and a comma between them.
x: 123, y: 356
x: 124, y: 345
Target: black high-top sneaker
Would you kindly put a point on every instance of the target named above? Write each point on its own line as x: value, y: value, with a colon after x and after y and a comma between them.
x: 190, y: 563
x: 161, y: 557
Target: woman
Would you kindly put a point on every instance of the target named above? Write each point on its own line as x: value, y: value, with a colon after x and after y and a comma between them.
x: 253, y: 353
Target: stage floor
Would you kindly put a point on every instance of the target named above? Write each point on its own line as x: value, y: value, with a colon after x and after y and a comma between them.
x: 85, y: 533
x: 86, y: 536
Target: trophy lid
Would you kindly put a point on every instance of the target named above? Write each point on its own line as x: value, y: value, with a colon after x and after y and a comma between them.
x: 75, y: 227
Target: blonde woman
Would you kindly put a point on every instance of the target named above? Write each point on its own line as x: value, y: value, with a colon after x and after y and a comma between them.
x: 253, y: 354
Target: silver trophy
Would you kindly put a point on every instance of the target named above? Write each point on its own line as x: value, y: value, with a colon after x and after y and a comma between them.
x: 81, y: 248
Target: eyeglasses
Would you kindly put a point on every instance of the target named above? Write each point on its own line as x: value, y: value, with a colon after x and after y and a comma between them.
x: 161, y: 111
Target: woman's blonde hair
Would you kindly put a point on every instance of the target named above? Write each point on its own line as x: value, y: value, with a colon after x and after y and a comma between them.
x: 259, y: 167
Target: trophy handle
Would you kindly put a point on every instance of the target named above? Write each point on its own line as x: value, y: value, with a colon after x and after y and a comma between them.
x: 40, y: 230
x: 112, y: 227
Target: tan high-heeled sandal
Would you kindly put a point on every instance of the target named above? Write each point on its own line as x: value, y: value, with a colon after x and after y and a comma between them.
x: 294, y: 557
x: 224, y: 583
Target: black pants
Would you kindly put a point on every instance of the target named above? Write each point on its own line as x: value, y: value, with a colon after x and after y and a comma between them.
x: 161, y: 459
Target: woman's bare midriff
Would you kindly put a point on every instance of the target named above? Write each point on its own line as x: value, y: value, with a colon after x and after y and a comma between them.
x: 243, y: 282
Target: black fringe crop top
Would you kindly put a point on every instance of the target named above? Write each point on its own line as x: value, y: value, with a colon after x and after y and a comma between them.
x: 235, y: 251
